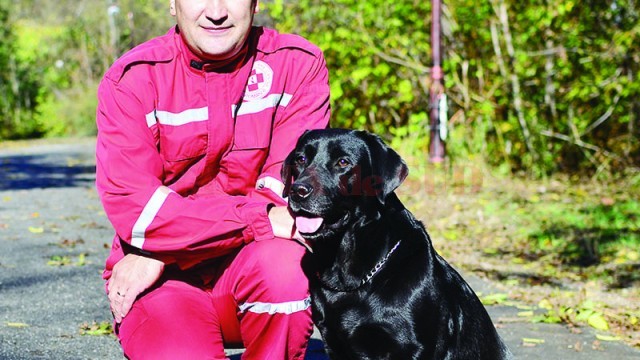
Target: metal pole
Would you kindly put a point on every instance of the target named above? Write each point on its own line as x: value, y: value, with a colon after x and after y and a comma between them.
x: 436, y: 145
x: 112, y: 11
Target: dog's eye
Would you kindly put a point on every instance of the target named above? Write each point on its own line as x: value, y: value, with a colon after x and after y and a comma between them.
x: 301, y: 160
x: 343, y: 163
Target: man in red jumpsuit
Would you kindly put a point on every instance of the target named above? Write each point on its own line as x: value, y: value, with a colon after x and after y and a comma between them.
x: 193, y: 127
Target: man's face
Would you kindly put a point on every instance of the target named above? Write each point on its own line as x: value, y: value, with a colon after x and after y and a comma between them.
x: 214, y: 29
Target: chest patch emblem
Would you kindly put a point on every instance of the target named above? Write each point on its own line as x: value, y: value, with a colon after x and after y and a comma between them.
x: 259, y: 82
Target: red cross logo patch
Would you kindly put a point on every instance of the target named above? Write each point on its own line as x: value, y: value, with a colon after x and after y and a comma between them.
x: 260, y: 80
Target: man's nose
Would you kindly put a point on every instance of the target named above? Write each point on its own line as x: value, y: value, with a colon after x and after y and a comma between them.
x: 216, y: 10
x: 301, y: 190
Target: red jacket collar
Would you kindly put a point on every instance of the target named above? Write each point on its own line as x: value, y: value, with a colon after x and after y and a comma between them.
x: 199, y: 65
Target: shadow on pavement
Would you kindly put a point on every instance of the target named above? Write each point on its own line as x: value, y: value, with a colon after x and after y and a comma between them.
x: 25, y: 172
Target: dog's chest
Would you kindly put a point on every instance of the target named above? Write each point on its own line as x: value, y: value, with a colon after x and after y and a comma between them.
x: 361, y: 321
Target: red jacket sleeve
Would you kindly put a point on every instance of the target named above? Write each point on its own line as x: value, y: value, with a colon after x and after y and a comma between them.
x: 308, y: 108
x: 145, y: 213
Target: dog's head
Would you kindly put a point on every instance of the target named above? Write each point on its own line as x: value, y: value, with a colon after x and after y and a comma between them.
x: 335, y: 176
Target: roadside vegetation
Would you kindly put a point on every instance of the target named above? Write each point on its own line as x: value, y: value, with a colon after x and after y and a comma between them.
x: 564, y: 250
x: 541, y: 187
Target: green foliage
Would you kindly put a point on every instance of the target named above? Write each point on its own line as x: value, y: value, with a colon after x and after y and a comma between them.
x: 573, y: 246
x: 550, y: 86
x: 18, y: 82
x: 577, y: 81
x: 534, y: 87
x: 589, y: 235
x: 375, y: 51
x: 52, y: 56
x: 591, y: 231
x: 140, y: 20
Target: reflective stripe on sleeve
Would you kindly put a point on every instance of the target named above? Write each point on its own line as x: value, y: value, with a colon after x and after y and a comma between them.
x: 149, y: 213
x: 286, y: 308
x: 151, y: 118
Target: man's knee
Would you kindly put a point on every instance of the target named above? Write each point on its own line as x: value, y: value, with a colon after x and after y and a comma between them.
x: 275, y: 268
x: 174, y: 321
x: 155, y: 340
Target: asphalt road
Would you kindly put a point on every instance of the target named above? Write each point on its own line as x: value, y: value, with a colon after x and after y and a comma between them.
x: 54, y: 238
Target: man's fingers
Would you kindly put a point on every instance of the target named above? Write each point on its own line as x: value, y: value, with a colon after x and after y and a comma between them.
x: 127, y: 302
x: 117, y: 302
x: 131, y: 276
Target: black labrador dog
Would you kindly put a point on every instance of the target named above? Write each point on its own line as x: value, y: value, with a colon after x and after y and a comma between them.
x: 379, y: 289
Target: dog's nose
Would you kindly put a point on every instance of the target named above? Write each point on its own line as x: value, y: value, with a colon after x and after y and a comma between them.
x: 302, y: 191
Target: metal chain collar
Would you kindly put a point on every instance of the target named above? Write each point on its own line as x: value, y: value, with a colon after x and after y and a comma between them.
x: 371, y: 273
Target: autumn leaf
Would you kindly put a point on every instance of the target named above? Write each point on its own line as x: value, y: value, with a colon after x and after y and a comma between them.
x: 494, y: 299
x: 36, y: 230
x: 96, y: 329
x: 17, y: 325
x: 545, y: 304
x: 607, y: 337
x: 525, y: 313
x: 57, y: 260
x: 82, y: 261
x: 532, y: 341
x: 597, y: 321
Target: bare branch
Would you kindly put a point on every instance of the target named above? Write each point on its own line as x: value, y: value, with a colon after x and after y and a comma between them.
x: 402, y: 62
x: 604, y: 116
x: 386, y: 57
x: 501, y: 11
x: 577, y: 142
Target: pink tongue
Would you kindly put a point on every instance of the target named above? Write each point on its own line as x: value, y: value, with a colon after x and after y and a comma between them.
x: 308, y: 225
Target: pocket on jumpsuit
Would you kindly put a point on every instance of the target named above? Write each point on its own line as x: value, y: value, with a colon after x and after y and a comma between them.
x: 252, y: 136
x: 183, y: 142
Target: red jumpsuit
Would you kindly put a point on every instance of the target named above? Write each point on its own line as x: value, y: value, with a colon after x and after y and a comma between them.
x: 188, y: 161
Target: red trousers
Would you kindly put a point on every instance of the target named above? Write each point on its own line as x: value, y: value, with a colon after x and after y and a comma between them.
x: 258, y: 299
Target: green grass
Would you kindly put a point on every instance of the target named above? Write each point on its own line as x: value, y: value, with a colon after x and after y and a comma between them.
x: 569, y: 248
x: 572, y: 230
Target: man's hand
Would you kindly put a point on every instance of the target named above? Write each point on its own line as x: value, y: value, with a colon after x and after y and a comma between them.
x: 131, y: 276
x: 283, y: 224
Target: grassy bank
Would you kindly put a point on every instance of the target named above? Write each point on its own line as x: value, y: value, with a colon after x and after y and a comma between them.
x: 568, y: 250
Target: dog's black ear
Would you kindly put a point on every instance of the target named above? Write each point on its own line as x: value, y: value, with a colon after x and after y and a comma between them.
x: 286, y: 173
x: 386, y: 164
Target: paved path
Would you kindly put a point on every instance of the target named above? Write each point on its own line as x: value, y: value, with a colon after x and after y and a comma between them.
x: 50, y: 215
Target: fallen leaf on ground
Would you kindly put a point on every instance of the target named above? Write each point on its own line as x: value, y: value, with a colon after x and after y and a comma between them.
x: 103, y: 328
x: 597, y: 321
x: 57, y: 260
x: 608, y: 337
x: 494, y: 299
x: 36, y: 230
x: 532, y: 341
x: 17, y: 325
